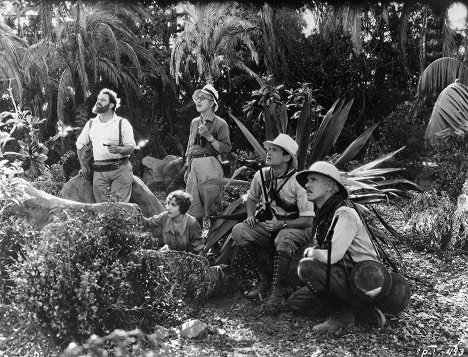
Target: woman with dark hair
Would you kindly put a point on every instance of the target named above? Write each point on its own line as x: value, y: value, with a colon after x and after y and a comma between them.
x: 175, y: 228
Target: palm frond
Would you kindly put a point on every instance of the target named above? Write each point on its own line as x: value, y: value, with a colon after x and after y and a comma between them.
x: 440, y: 73
x: 449, y: 114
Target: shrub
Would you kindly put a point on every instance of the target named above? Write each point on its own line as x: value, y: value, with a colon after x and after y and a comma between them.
x: 81, y: 278
x: 400, y: 129
x: 429, y: 217
x: 51, y: 180
x: 451, y: 169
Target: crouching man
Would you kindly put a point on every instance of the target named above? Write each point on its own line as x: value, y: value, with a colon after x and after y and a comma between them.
x: 342, y: 241
x: 286, y: 228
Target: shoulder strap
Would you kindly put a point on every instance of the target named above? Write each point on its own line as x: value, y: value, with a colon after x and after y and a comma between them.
x: 120, y: 132
x: 286, y: 180
x: 90, y: 121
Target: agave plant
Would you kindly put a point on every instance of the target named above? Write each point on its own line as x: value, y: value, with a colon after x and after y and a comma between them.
x: 367, y: 183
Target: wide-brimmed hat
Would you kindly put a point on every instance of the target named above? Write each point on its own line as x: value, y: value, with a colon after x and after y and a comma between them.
x: 208, y: 89
x: 370, y: 280
x: 326, y: 169
x: 287, y: 143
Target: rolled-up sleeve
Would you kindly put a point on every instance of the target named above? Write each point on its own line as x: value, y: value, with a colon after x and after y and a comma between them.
x: 156, y: 221
x: 222, y: 136
x: 255, y: 192
x: 83, y: 138
x: 127, y: 133
x: 197, y: 242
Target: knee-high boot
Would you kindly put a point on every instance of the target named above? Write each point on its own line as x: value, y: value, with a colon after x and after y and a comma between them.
x: 280, y: 278
x: 261, y: 285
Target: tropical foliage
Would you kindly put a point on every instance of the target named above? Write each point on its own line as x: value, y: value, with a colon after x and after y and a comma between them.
x: 367, y: 184
x: 448, y: 121
x: 214, y: 37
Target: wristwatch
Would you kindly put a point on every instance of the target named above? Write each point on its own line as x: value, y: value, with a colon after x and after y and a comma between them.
x: 212, y: 139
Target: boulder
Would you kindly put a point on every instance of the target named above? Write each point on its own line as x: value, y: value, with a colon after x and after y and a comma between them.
x: 161, y: 171
x: 40, y: 205
x: 193, y: 328
x: 81, y: 190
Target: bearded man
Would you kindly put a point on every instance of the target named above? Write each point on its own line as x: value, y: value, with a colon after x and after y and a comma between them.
x: 112, y: 143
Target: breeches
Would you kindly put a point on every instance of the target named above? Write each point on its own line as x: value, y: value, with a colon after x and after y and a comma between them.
x: 115, y: 184
x: 314, y: 273
x: 206, y: 199
x: 288, y: 240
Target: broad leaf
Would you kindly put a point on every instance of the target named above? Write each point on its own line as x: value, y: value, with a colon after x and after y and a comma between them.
x: 329, y: 131
x: 284, y: 119
x: 255, y: 144
x: 221, y: 227
x: 271, y: 130
x: 440, y: 73
x: 357, y: 171
x: 303, y: 133
x: 449, y: 115
x: 353, y: 149
x: 223, y: 181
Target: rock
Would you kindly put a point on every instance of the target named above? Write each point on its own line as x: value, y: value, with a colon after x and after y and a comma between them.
x: 163, y: 171
x: 40, y: 205
x: 81, y: 190
x: 193, y: 328
x: 160, y: 333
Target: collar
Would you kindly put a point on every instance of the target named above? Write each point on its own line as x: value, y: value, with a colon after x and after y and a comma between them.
x: 114, y: 118
x: 283, y: 175
x: 171, y: 227
x: 210, y: 117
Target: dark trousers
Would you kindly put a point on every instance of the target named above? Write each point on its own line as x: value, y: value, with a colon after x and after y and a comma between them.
x: 313, y: 274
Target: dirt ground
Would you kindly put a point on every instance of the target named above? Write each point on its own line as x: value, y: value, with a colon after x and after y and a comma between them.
x: 435, y: 323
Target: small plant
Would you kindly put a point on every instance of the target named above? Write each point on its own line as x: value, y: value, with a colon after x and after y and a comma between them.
x: 429, y: 218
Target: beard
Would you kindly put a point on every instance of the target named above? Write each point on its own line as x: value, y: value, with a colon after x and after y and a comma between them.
x: 98, y: 109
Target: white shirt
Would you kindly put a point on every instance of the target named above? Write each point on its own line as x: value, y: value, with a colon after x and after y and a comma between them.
x: 105, y: 133
x: 349, y: 235
x: 290, y: 193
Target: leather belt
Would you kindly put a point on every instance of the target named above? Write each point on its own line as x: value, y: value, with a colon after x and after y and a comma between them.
x: 196, y: 156
x: 112, y: 160
x: 114, y: 165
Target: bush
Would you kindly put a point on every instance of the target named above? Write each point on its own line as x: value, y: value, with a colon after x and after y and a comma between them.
x: 51, y: 180
x: 400, y: 129
x: 81, y: 277
x: 429, y: 218
x: 451, y: 169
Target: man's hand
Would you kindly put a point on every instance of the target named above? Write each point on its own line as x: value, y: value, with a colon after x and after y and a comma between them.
x: 86, y: 173
x: 251, y: 221
x: 274, y: 224
x: 203, y: 130
x: 114, y: 149
x: 310, y: 252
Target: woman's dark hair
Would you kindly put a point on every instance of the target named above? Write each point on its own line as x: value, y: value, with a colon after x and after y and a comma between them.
x: 182, y: 198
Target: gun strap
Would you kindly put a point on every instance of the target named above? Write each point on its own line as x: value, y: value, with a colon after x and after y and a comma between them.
x: 329, y: 238
x: 381, y: 253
